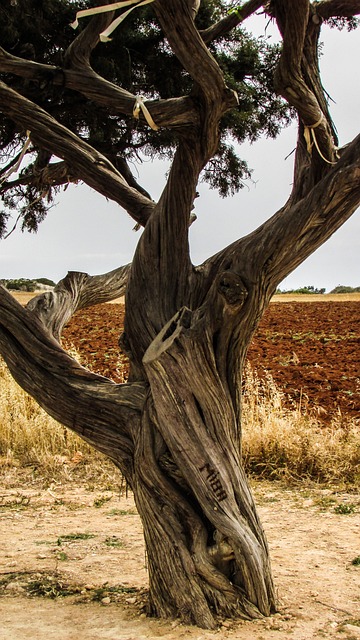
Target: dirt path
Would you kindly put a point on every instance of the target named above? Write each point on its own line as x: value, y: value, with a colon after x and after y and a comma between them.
x: 88, y: 545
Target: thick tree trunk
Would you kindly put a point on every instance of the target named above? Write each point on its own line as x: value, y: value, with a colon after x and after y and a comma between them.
x: 174, y: 430
x: 175, y: 439
x: 207, y: 550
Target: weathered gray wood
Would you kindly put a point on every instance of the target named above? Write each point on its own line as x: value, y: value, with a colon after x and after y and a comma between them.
x: 77, y: 291
x: 101, y: 412
x: 175, y: 428
x: 195, y: 417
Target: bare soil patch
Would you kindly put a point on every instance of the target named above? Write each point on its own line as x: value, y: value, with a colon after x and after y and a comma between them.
x: 73, y: 566
x: 313, y: 353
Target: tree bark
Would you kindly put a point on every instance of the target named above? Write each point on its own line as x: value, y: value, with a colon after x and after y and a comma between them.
x: 174, y: 429
x: 194, y: 414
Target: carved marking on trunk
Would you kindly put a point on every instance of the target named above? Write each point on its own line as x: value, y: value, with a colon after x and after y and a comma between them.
x: 214, y: 482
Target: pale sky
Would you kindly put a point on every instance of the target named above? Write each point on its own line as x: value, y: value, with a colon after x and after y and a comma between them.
x: 84, y: 232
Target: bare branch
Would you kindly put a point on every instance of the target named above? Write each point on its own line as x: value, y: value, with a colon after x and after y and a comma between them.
x: 236, y: 17
x: 91, y: 166
x: 297, y: 79
x: 54, y: 174
x: 289, y: 80
x: 100, y: 411
x: 172, y: 113
x: 266, y: 256
x: 177, y: 22
x: 337, y: 8
x: 12, y: 163
x: 76, y: 291
x: 307, y: 224
x: 77, y: 56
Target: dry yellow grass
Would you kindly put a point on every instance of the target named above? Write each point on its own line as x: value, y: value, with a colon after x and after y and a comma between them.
x: 288, y: 444
x: 313, y: 297
x: 30, y: 438
x: 24, y: 296
x: 277, y: 443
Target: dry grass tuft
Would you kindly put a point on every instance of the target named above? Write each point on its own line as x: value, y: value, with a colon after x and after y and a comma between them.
x: 280, y: 443
x: 30, y: 438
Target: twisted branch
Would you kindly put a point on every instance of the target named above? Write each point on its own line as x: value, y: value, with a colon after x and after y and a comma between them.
x: 93, y: 167
x: 100, y: 411
x: 76, y: 291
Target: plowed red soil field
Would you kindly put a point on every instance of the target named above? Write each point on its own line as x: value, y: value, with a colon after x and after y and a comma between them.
x: 312, y: 350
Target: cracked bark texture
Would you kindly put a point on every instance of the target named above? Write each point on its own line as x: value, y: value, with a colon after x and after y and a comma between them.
x: 174, y: 429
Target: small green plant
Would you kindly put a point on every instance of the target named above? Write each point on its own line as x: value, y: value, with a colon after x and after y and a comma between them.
x: 114, y: 541
x: 344, y: 509
x: 325, y: 502
x: 101, y: 500
x: 105, y: 590
x: 74, y: 536
x: 122, y: 512
x: 49, y: 586
x: 62, y: 556
x: 356, y: 561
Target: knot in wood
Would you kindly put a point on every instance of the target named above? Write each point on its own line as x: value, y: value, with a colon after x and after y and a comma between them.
x: 42, y: 303
x: 232, y: 288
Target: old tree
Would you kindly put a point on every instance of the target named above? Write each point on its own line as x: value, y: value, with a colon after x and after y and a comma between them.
x: 174, y: 429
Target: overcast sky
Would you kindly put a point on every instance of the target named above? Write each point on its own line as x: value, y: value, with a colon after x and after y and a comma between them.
x: 84, y: 232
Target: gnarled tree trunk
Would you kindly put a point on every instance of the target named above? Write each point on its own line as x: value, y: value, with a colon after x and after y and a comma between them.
x: 174, y: 429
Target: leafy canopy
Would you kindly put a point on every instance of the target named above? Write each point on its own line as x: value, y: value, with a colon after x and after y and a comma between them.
x: 138, y: 59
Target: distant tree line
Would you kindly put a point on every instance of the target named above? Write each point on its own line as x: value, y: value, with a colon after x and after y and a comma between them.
x: 339, y: 289
x: 309, y: 289
x: 344, y: 289
x: 24, y: 284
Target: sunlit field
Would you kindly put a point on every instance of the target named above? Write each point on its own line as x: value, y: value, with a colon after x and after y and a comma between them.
x: 278, y: 443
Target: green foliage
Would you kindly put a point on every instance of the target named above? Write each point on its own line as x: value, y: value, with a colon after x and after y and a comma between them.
x: 114, y: 542
x: 138, y: 59
x: 21, y: 284
x: 70, y: 537
x: 348, y: 23
x: 344, y: 289
x: 344, y: 509
x: 24, y: 284
x: 46, y: 281
x: 50, y: 586
x: 305, y: 290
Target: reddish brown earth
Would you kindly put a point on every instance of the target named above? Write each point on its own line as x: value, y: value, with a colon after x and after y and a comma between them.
x: 312, y: 350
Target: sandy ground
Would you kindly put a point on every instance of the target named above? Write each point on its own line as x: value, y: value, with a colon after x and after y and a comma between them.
x: 76, y: 541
